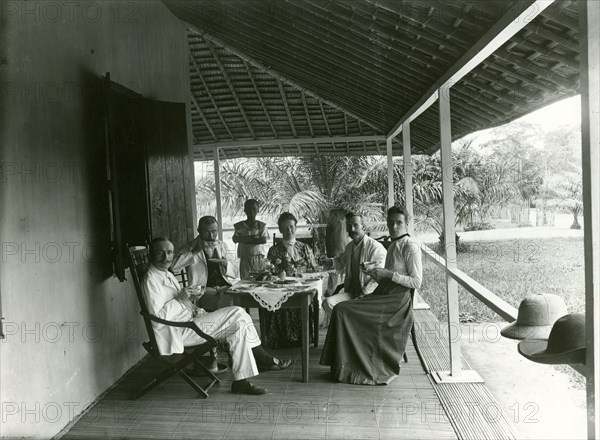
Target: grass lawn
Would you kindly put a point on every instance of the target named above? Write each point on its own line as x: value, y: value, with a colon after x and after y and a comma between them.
x: 512, y: 269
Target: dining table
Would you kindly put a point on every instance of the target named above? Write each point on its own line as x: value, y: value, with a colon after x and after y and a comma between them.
x: 288, y: 293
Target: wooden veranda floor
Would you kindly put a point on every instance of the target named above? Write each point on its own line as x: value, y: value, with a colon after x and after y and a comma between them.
x: 411, y: 407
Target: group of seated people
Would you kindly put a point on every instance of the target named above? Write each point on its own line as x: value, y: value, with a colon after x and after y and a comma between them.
x: 370, y: 319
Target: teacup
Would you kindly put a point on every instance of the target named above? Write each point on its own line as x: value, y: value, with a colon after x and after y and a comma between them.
x: 368, y: 265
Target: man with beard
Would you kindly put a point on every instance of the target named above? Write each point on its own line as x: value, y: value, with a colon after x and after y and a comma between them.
x: 367, y: 337
x: 362, y: 248
x: 206, y: 260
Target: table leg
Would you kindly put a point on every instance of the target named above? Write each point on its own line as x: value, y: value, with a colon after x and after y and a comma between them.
x: 315, y: 328
x: 305, y: 337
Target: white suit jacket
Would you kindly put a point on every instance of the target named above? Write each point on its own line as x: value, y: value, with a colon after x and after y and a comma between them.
x: 371, y: 250
x: 159, y: 289
x: 196, y: 266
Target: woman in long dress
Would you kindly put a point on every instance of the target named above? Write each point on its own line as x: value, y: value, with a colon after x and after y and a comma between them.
x: 283, y: 327
x: 367, y: 336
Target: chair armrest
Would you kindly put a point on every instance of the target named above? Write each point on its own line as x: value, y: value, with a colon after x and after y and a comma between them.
x: 185, y: 324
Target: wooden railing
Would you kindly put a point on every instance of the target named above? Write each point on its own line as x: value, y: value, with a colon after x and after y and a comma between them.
x: 486, y: 296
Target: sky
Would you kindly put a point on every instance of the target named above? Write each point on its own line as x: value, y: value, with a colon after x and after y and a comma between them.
x: 567, y: 111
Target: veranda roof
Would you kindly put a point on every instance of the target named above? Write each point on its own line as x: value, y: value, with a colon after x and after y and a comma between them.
x: 279, y: 70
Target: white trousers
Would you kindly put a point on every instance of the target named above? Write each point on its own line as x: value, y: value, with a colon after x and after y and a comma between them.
x: 330, y: 302
x: 234, y: 326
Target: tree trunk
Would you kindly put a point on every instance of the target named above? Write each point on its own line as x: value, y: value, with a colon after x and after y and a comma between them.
x: 575, y: 224
x: 336, y: 237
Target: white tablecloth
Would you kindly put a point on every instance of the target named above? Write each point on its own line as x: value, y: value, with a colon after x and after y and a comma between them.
x: 271, y: 296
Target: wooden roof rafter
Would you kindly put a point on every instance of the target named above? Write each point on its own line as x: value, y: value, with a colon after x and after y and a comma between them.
x: 260, y: 99
x: 197, y: 70
x: 201, y: 113
x: 393, y: 42
x: 232, y: 89
x: 275, y: 74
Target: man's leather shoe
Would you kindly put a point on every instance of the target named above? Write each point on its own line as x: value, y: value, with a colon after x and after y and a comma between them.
x: 245, y: 387
x: 278, y: 364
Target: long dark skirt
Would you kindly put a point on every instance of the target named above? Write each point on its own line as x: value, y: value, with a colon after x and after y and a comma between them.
x: 367, y: 336
x: 283, y: 327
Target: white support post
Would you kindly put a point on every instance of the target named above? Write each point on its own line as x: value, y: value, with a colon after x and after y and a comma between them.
x: 408, y: 175
x: 390, y: 172
x: 449, y: 233
x: 589, y: 41
x: 218, y: 190
x: 455, y: 374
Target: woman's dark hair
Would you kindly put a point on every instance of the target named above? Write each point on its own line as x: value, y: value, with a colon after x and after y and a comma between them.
x: 397, y: 209
x: 285, y: 217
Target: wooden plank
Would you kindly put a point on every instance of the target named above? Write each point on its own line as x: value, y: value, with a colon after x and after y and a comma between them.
x: 508, y: 25
x: 589, y: 21
x: 294, y: 141
x: 408, y: 175
x: 217, y: 168
x: 449, y: 232
x: 390, y: 172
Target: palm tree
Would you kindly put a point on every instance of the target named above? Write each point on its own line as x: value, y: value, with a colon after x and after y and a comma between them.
x: 567, y: 194
x: 274, y: 182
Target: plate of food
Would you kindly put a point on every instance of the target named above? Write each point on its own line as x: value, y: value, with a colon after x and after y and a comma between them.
x: 263, y: 277
x: 311, y: 278
x: 275, y: 286
x: 286, y: 281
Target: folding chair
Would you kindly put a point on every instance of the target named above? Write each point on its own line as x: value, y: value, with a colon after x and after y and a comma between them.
x: 176, y: 364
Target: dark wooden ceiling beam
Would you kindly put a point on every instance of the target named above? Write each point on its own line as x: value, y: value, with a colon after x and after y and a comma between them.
x: 571, y: 62
x: 531, y: 66
x: 409, y: 27
x: 197, y: 70
x: 396, y: 7
x: 232, y: 89
x: 308, y: 52
x: 204, y: 120
x: 279, y: 76
x: 517, y: 75
x: 287, y: 108
x: 310, y: 127
x: 260, y: 99
x: 422, y: 58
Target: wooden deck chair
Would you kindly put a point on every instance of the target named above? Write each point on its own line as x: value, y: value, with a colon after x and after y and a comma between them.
x: 175, y: 364
x: 181, y: 277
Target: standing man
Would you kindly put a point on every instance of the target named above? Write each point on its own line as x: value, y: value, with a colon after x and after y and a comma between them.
x: 250, y: 236
x: 362, y: 248
x: 207, y: 263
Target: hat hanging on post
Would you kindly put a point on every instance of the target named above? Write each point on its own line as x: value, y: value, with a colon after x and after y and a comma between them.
x: 537, y: 314
x: 565, y: 345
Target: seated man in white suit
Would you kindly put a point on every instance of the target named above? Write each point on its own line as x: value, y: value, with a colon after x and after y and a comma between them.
x: 361, y: 249
x: 233, y: 325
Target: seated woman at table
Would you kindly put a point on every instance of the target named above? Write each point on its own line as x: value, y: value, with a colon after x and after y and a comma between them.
x: 367, y: 336
x: 283, y: 327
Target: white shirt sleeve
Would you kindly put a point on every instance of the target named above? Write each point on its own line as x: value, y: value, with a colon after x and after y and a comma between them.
x: 411, y: 254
